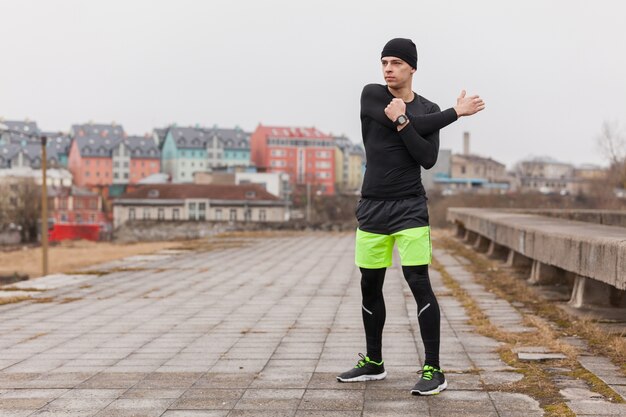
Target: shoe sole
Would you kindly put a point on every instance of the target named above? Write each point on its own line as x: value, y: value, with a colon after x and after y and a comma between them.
x: 363, y: 378
x: 431, y: 392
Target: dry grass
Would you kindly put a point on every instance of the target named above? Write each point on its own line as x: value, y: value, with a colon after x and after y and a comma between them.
x: 27, y: 289
x: 537, y: 382
x: 502, y: 283
x: 11, y: 300
x: 74, y: 255
x: 69, y: 300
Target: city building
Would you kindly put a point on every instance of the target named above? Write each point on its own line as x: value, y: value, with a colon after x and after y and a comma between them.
x: 349, y: 164
x: 184, y: 153
x: 18, y: 131
x: 58, y: 145
x: 544, y: 175
x: 305, y: 154
x: 60, y: 177
x: 228, y: 148
x: 549, y: 176
x: 196, y: 202
x: 276, y: 183
x: 467, y: 172
x: 103, y: 155
x: 145, y: 158
x: 112, y: 130
x: 74, y: 205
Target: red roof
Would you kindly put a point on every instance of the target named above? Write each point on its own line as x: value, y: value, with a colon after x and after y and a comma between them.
x: 251, y: 192
x: 292, y: 132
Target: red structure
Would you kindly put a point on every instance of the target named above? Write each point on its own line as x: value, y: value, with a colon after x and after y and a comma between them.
x: 60, y: 232
x: 306, y: 154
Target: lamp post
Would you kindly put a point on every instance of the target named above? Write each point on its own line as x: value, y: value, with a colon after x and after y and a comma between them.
x: 44, y: 207
x: 44, y: 194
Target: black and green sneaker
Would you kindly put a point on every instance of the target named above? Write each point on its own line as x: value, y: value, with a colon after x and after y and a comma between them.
x: 432, y: 382
x: 365, y: 370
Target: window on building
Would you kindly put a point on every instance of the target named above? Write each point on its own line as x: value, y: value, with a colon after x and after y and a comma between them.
x: 233, y: 215
x: 191, y: 209
x: 64, y: 217
x: 131, y: 214
x: 79, y: 218
x: 262, y: 215
x: 116, y: 176
x: 201, y: 211
x: 92, y: 218
x: 462, y: 169
x: 218, y: 214
x: 247, y: 215
x: 161, y: 214
x: 126, y: 164
x: 126, y: 175
x: 175, y: 214
x: 146, y: 214
x: 116, y: 164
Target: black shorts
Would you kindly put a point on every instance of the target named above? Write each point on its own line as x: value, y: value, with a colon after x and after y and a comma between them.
x: 391, y: 216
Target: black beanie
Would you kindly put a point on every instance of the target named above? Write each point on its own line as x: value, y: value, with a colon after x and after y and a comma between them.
x: 401, y: 48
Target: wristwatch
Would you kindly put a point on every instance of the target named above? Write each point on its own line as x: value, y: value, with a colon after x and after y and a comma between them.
x: 402, y: 119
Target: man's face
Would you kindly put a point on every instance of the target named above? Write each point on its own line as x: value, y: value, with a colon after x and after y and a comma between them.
x: 397, y: 72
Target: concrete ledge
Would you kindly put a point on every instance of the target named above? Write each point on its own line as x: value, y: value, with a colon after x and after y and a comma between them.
x: 589, y: 250
x: 605, y: 217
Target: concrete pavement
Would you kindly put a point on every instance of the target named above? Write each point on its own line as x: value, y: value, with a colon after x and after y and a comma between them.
x: 256, y: 330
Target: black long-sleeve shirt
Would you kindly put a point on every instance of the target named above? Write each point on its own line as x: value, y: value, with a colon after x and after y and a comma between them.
x: 394, y: 159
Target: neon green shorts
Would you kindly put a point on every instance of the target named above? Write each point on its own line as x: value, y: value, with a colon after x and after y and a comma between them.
x: 375, y: 250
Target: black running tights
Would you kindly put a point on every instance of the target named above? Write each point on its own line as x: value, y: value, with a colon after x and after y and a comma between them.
x: 373, y: 310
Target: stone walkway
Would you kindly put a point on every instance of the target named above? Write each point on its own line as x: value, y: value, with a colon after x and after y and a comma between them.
x: 258, y: 330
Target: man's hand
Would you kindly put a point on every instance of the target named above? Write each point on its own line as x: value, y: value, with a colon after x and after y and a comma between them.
x: 395, y: 108
x: 466, y: 106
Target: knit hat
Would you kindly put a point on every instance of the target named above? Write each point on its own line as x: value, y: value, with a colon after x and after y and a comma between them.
x: 401, y: 48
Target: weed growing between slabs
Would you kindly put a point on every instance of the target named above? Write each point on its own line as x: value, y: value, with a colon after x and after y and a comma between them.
x: 539, y: 378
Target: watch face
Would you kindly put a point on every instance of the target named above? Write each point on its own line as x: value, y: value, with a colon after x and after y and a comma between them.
x: 401, y: 120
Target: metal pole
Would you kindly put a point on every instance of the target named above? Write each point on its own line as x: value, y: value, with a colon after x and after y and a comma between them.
x: 44, y: 207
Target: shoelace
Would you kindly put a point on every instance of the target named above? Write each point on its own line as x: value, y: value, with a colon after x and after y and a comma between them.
x: 361, y: 363
x: 427, y: 372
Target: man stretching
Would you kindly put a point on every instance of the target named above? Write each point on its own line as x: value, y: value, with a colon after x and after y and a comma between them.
x: 401, y: 134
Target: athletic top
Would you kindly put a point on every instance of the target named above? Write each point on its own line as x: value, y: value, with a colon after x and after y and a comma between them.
x: 394, y: 159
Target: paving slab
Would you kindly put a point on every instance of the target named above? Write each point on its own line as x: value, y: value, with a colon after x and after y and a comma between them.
x: 256, y: 330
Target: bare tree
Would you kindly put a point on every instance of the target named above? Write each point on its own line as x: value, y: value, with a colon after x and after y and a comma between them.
x: 612, y: 145
x: 20, y: 204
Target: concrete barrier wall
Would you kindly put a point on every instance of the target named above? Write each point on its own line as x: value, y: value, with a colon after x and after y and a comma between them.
x: 590, y: 250
x: 606, y: 217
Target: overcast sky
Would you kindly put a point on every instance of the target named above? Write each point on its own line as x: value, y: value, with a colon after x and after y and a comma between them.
x: 550, y: 71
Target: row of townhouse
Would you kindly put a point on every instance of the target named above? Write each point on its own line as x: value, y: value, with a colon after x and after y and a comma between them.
x: 100, y: 155
x: 20, y: 147
x: 187, y: 150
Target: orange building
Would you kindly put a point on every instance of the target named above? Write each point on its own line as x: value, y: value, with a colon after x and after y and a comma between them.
x: 306, y: 154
